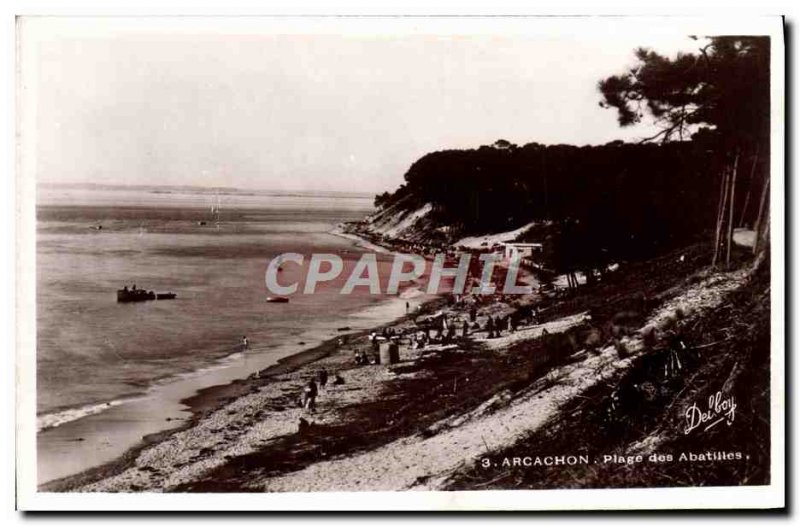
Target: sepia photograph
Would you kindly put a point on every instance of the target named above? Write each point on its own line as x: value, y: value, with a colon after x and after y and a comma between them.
x: 468, y: 263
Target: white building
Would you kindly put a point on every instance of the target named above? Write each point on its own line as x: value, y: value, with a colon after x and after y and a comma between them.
x: 516, y: 251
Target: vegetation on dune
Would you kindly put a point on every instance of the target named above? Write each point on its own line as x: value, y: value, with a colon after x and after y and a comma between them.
x: 637, y: 414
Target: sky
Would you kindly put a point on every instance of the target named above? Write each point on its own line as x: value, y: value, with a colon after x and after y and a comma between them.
x: 306, y: 111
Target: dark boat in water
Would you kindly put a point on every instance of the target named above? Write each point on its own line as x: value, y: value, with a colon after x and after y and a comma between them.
x: 277, y: 299
x: 127, y: 295
x: 130, y: 295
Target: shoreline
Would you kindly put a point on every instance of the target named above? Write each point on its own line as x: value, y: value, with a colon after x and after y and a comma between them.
x: 203, y: 401
x: 439, y: 408
x: 208, y: 399
x: 360, y: 241
x: 215, y: 398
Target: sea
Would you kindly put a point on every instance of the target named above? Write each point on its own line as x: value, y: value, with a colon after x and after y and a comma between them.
x: 109, y: 373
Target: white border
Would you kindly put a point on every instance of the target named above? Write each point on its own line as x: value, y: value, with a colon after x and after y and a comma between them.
x: 709, y: 498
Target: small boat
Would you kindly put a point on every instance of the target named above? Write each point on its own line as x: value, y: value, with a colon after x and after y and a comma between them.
x: 131, y: 295
x: 126, y: 295
x: 277, y: 299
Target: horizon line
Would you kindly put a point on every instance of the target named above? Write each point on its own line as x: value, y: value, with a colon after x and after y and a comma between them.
x: 204, y: 187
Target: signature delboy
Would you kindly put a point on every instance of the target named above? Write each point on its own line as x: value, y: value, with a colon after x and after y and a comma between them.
x: 719, y: 409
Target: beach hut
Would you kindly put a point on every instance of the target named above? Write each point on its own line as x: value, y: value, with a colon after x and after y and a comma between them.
x: 389, y: 353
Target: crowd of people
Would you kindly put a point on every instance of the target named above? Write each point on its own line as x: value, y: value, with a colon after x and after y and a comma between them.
x: 440, y: 328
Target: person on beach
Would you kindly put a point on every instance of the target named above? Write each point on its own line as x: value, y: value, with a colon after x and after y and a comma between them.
x: 407, y: 308
x: 322, y: 376
x: 451, y: 332
x: 310, y: 395
x: 245, y: 348
x: 465, y: 329
x: 490, y: 327
x: 473, y: 314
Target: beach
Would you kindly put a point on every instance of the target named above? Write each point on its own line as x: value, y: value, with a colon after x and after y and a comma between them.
x: 110, y: 374
x: 398, y: 263
x: 416, y: 424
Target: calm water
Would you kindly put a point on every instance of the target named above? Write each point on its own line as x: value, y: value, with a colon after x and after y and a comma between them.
x: 92, y: 350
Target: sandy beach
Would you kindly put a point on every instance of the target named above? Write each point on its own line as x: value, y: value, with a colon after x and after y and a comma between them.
x: 414, y: 424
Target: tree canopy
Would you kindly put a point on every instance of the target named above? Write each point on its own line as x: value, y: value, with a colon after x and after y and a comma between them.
x: 624, y: 200
x: 629, y: 200
x: 723, y: 89
x: 719, y: 95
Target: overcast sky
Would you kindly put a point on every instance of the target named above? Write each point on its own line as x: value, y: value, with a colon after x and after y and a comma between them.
x: 309, y: 112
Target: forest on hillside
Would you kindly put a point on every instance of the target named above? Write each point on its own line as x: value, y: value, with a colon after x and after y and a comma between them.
x: 704, y: 174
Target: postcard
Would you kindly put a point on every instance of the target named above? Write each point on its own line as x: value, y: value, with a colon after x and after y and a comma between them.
x: 400, y: 263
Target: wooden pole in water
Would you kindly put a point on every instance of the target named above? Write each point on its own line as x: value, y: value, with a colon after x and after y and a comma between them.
x: 730, y: 215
